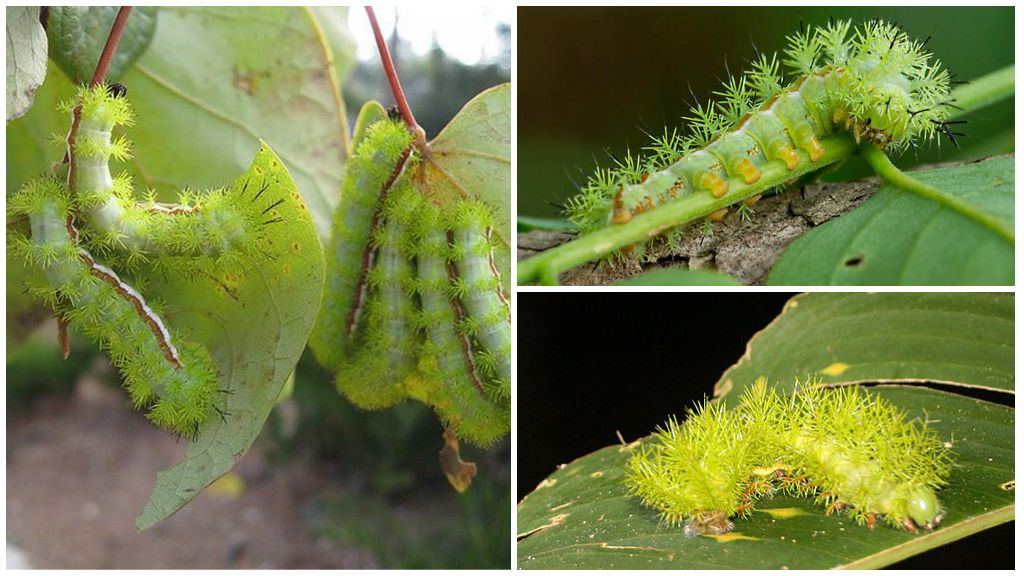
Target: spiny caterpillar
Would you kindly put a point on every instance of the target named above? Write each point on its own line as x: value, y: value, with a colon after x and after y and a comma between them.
x: 876, y: 85
x: 414, y: 306
x: 200, y: 234
x: 847, y: 447
x: 175, y: 378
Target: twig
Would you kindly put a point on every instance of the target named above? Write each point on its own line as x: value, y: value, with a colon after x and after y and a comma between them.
x: 98, y: 76
x: 881, y: 164
x: 396, y: 85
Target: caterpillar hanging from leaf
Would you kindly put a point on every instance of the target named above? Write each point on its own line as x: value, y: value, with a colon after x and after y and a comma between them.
x: 82, y: 230
x: 414, y: 306
x: 846, y: 447
x: 868, y: 85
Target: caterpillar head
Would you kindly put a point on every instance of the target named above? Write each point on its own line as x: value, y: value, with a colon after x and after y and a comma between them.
x: 924, y: 510
x: 885, y: 87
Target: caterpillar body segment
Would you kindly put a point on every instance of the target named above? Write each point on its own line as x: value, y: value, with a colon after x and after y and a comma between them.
x: 488, y: 318
x: 175, y: 379
x: 385, y: 363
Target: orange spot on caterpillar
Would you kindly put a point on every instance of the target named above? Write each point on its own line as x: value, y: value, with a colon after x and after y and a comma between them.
x: 749, y: 172
x: 752, y: 200
x: 619, y: 213
x: 814, y: 148
x: 677, y: 187
x: 716, y: 185
x: 717, y: 215
x: 788, y: 155
x: 644, y: 177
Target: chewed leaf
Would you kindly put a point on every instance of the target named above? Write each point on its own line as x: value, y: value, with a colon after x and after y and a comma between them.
x: 472, y: 158
x: 255, y: 325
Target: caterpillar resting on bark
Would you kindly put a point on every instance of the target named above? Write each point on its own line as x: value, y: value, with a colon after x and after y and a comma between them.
x: 414, y: 306
x: 848, y: 448
x: 870, y: 85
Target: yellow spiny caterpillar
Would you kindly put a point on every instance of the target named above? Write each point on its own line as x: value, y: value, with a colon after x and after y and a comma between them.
x: 846, y: 447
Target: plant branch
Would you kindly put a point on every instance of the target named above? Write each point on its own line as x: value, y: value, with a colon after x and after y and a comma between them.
x: 111, y: 46
x: 546, y: 267
x: 98, y: 76
x: 396, y: 85
x: 881, y: 164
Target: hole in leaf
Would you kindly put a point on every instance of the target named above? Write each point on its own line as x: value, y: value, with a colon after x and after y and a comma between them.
x: 854, y: 262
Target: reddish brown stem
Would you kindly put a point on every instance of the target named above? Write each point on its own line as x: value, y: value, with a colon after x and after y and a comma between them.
x: 396, y: 85
x: 111, y: 46
x: 109, y: 49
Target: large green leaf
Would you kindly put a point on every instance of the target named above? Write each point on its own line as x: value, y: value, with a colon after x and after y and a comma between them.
x: 77, y: 35
x: 255, y: 325
x: 26, y: 58
x: 472, y: 157
x: 581, y: 516
x: 962, y: 339
x: 899, y: 238
x: 213, y: 83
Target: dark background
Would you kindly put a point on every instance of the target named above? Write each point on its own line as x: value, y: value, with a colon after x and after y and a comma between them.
x: 590, y: 79
x: 591, y: 364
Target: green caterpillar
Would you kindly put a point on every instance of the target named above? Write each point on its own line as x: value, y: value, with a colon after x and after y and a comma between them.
x: 845, y: 446
x: 176, y: 379
x: 414, y: 307
x: 85, y: 275
x: 196, y: 236
x: 870, y: 84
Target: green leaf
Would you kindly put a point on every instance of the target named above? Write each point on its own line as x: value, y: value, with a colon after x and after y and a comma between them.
x: 255, y: 327
x: 581, y: 517
x: 472, y: 158
x: 77, y: 35
x: 680, y: 277
x: 961, y: 339
x: 213, y: 83
x: 898, y: 238
x: 26, y: 58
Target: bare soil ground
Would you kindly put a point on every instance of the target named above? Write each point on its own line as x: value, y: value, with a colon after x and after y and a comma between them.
x: 79, y: 470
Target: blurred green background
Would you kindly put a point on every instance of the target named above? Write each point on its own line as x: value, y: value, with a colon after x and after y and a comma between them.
x: 591, y: 80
